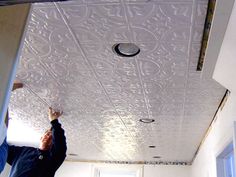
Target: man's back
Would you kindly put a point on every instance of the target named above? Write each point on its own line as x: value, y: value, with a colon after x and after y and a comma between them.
x: 31, y: 162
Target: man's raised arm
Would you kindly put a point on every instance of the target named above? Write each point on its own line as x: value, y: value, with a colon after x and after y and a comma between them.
x: 59, y: 148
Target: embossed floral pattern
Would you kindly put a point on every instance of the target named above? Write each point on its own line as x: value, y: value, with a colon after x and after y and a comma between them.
x: 67, y: 62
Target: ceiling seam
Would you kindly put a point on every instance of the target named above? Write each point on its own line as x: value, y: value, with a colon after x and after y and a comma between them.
x: 86, y: 101
x: 27, y: 85
x: 135, y: 58
x: 41, y: 99
x: 124, y: 5
x: 89, y: 63
x: 187, y: 75
x: 142, y: 80
x: 100, y: 3
x: 46, y: 69
x: 136, y: 2
x: 138, y: 66
x: 30, y: 92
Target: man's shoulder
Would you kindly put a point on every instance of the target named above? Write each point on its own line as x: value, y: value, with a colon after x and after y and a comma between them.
x: 23, y: 147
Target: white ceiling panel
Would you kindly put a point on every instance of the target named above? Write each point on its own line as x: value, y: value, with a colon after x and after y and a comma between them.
x: 67, y: 62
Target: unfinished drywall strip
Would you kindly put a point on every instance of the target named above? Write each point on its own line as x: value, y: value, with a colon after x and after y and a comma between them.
x: 219, y: 25
x: 12, y: 27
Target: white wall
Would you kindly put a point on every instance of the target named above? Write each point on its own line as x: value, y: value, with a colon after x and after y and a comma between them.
x: 77, y: 169
x: 219, y: 137
x: 225, y: 71
x: 221, y: 133
x: 166, y: 171
x: 74, y: 169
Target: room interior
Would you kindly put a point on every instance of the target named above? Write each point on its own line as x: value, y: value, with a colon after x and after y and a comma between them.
x: 155, y: 112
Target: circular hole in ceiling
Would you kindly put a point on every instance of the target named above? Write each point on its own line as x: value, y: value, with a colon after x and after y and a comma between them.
x: 146, y: 120
x: 156, y: 157
x: 71, y: 154
x: 151, y: 146
x: 126, y: 49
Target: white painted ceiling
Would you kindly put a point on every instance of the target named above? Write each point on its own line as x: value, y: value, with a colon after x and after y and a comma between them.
x: 67, y: 62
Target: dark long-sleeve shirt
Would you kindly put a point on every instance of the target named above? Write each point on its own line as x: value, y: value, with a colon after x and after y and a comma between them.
x: 3, y: 155
x: 33, y: 162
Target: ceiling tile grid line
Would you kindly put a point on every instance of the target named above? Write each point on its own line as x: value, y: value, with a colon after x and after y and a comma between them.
x: 22, y: 97
x: 203, y: 89
x: 41, y: 100
x: 153, y: 5
x: 149, y: 111
x: 148, y: 127
x: 180, y: 132
x: 45, y: 103
x: 187, y: 64
x: 104, y: 95
x: 151, y: 127
x: 199, y: 12
x: 47, y: 70
x: 137, y: 65
x: 42, y: 64
x: 91, y: 66
x: 133, y: 27
x: 140, y: 78
x: 86, y: 2
x: 195, y: 10
x: 191, y: 70
x: 138, y: 68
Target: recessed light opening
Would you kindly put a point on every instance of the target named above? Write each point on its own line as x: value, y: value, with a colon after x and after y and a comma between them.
x: 126, y: 49
x: 147, y: 120
x: 151, y: 146
x: 71, y: 154
x: 156, y: 157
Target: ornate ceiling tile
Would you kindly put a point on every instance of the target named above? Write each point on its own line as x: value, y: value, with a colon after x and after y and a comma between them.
x: 68, y: 62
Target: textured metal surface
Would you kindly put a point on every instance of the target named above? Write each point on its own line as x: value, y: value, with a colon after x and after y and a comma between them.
x: 68, y: 63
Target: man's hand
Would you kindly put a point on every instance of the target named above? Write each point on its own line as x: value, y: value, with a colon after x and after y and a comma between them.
x: 52, y: 114
x: 16, y: 85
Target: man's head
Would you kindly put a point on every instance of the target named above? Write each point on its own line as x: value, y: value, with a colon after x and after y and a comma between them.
x: 46, y: 141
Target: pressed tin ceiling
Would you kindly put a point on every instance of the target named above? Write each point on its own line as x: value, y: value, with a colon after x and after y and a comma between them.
x: 67, y: 62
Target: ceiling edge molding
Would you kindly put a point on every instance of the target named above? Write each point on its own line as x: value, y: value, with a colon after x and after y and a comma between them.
x: 134, y: 162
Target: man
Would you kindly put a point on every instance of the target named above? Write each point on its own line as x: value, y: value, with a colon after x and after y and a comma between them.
x: 42, y: 161
x: 3, y: 132
x: 3, y: 148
